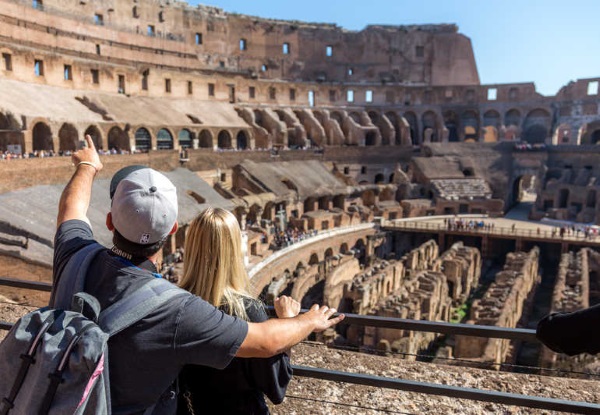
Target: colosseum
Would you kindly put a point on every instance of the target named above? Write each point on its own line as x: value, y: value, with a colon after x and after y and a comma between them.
x: 369, y: 170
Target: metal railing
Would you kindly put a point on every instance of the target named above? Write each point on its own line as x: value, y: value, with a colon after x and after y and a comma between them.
x: 492, y: 230
x: 505, y: 398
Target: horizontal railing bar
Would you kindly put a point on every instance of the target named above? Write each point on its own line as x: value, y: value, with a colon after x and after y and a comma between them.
x: 442, y: 327
x: 437, y: 327
x: 30, y: 285
x: 505, y: 398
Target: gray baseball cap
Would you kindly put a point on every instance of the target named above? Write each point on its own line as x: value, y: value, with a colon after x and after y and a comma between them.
x: 144, y: 204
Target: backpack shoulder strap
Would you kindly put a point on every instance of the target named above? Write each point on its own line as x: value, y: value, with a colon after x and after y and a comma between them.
x: 138, y: 305
x: 72, y: 279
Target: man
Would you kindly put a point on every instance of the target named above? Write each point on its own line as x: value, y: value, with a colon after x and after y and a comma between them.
x: 146, y: 357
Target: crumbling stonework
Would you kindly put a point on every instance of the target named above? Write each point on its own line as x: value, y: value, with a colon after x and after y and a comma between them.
x: 422, y: 285
x: 502, y: 305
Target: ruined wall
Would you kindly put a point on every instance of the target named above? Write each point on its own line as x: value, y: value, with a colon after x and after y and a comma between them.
x: 502, y: 305
x: 421, y: 286
x: 462, y: 267
x: 571, y: 293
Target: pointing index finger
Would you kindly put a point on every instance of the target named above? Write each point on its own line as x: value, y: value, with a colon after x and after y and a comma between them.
x: 89, y: 141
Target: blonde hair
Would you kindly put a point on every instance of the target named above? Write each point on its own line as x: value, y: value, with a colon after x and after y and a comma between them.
x: 213, y: 267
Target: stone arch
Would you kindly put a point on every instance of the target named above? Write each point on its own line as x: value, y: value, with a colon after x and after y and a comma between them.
x: 68, y: 137
x: 328, y: 253
x: 143, y: 140
x: 335, y: 115
x: 185, y: 138
x: 42, y: 137
x: 491, y: 118
x: 164, y: 140
x: 374, y: 116
x: 563, y: 134
x: 387, y: 194
x: 470, y: 125
x: 118, y: 139
x: 591, y: 133
x: 343, y: 248
x: 536, y: 126
x: 451, y: 122
x: 4, y: 122
x: 411, y: 118
x: 395, y: 120
x: 314, y: 259
x: 96, y: 135
x: 379, y: 178
x: 224, y: 139
x: 430, y: 122
x: 356, y: 117
x: 512, y: 117
x: 241, y: 140
x: 206, y: 139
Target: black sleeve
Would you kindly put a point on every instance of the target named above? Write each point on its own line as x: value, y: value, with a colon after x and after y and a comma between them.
x: 571, y: 333
x: 270, y: 375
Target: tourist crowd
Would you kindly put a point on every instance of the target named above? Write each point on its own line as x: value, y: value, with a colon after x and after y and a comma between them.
x: 290, y: 236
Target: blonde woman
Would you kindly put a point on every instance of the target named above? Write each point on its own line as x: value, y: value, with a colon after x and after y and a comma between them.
x: 214, y: 270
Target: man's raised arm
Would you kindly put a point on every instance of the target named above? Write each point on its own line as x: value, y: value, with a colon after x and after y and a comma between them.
x: 277, y: 335
x: 75, y: 198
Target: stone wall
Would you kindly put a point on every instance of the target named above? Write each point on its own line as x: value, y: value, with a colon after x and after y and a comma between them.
x: 502, y: 305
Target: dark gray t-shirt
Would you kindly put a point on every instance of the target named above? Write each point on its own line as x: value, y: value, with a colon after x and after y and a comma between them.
x: 145, y: 359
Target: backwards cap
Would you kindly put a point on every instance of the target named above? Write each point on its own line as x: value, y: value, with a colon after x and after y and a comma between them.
x: 144, y: 204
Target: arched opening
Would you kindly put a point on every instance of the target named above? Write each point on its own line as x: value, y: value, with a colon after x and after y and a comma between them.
x: 536, y: 126
x: 374, y: 117
x: 451, y: 124
x: 370, y: 138
x: 379, y: 178
x: 470, y: 123
x: 118, y: 140
x: 143, y: 140
x: 314, y: 295
x: 356, y: 117
x: 185, y: 138
x: 411, y: 118
x: 314, y: 259
x: 491, y: 118
x: 206, y: 139
x: 429, y: 120
x: 563, y: 198
x: 96, y: 135
x: 224, y: 139
x: 535, y: 134
x: 591, y: 199
x: 67, y: 138
x: 524, y: 189
x: 42, y: 138
x: 164, y: 140
x: 395, y: 120
x: 337, y: 117
x: 241, y: 140
x: 512, y: 117
x: 343, y: 248
x: 328, y: 253
x: 4, y: 122
x: 591, y: 133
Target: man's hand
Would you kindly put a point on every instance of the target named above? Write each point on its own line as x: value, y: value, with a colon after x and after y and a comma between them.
x: 321, y: 317
x: 87, y: 154
x: 75, y: 198
x: 286, y: 307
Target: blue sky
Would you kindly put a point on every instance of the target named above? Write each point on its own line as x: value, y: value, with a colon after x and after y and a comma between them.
x: 549, y: 42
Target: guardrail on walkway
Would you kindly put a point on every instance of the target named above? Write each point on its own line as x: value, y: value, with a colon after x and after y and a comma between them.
x: 492, y: 230
x: 536, y: 402
x: 311, y: 240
